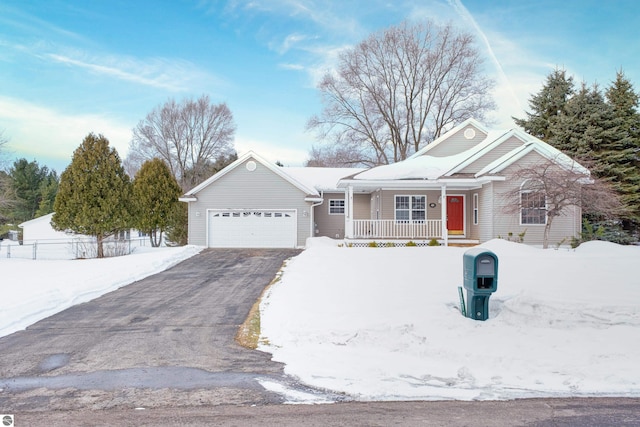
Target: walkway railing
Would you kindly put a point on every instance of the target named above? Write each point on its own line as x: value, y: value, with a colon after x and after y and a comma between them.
x: 391, y: 229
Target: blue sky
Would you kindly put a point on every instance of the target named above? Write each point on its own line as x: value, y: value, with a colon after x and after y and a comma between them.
x: 68, y: 68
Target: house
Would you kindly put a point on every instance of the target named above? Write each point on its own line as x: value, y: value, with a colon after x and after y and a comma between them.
x: 460, y: 177
x: 40, y: 228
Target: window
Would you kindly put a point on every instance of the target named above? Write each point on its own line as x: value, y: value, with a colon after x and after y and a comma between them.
x: 336, y: 207
x: 475, y: 209
x: 533, y: 204
x: 410, y: 208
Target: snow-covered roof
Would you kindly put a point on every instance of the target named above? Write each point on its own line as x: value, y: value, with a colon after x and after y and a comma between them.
x: 42, y: 218
x: 322, y: 179
x: 422, y: 166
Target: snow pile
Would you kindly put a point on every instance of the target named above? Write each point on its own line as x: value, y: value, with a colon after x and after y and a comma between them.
x: 33, y: 290
x: 384, y: 323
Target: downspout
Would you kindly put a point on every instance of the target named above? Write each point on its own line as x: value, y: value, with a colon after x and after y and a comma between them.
x: 313, y: 213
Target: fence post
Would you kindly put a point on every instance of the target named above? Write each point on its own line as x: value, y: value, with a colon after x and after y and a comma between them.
x: 35, y: 250
x: 8, y: 251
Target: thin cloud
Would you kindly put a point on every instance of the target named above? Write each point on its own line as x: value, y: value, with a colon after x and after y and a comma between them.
x: 465, y: 15
x: 174, y: 76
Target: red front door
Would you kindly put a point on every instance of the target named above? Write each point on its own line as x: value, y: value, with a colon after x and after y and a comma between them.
x: 455, y: 214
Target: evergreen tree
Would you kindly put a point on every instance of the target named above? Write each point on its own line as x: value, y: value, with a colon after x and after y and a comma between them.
x: 621, y: 156
x: 26, y: 179
x: 580, y: 130
x: 155, y: 194
x: 548, y: 105
x: 94, y: 195
x: 48, y: 191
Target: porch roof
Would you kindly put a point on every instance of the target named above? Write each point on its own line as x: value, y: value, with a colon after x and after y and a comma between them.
x: 462, y: 182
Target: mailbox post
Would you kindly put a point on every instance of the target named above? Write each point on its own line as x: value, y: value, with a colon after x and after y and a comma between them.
x: 480, y: 280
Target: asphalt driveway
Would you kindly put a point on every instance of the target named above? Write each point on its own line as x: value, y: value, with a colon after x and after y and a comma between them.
x: 166, y: 339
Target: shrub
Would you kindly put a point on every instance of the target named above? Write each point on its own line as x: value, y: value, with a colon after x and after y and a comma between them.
x: 411, y: 243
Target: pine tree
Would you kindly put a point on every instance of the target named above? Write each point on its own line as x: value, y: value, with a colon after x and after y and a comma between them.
x: 48, y: 191
x: 621, y: 156
x: 580, y: 130
x: 94, y: 195
x: 26, y: 179
x: 155, y: 193
x: 548, y: 105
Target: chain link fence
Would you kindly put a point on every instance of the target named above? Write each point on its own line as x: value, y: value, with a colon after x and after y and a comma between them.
x: 76, y: 248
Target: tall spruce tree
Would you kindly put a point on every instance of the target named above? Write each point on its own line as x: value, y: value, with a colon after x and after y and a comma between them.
x: 155, y: 195
x: 580, y: 130
x: 548, y: 105
x: 94, y: 195
x: 622, y: 155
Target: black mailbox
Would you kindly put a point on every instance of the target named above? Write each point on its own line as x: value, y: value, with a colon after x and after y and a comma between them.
x: 480, y: 268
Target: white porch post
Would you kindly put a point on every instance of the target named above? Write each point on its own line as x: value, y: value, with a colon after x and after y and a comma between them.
x: 443, y: 206
x: 348, y: 213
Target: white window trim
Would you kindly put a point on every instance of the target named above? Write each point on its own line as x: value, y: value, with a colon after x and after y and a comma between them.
x: 476, y: 209
x: 525, y: 191
x: 410, y: 196
x: 334, y: 207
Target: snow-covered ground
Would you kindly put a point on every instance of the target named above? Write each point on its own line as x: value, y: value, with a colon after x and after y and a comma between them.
x: 35, y: 289
x: 384, y: 323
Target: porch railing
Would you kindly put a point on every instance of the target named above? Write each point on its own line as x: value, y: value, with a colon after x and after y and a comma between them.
x: 391, y: 229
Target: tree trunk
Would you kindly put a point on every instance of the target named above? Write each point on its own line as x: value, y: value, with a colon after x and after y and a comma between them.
x: 547, y: 231
x: 99, y: 239
x: 155, y: 236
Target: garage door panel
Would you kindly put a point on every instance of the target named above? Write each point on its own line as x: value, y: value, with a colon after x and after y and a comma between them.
x: 253, y: 228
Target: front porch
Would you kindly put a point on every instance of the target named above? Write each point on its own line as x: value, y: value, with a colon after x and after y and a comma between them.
x: 392, y: 229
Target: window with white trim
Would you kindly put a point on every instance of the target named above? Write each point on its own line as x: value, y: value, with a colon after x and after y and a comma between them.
x: 336, y: 207
x: 533, y: 204
x: 410, y: 208
x: 475, y: 209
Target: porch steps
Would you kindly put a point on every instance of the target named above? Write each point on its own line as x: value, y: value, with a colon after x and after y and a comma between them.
x: 465, y: 244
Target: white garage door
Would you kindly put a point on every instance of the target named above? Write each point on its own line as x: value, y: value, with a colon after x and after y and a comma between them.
x: 252, y: 228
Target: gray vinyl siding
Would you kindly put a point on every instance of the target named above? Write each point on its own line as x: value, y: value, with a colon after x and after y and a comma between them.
x: 494, y: 154
x: 457, y: 143
x: 388, y: 202
x: 487, y: 206
x: 361, y: 208
x: 244, y: 189
x: 563, y: 228
x: 326, y: 224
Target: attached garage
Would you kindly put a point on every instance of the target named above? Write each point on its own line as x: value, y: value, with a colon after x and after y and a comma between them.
x: 252, y: 228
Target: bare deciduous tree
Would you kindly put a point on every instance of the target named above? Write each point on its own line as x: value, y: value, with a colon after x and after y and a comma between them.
x: 7, y: 195
x: 399, y: 89
x: 188, y: 136
x: 560, y: 184
x: 334, y: 156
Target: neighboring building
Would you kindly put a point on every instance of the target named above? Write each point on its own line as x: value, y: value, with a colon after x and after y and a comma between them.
x: 461, y: 176
x: 41, y: 229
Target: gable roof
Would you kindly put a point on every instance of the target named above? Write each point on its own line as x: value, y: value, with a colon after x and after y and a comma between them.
x: 470, y: 121
x: 422, y: 166
x: 311, y: 181
x: 42, y: 218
